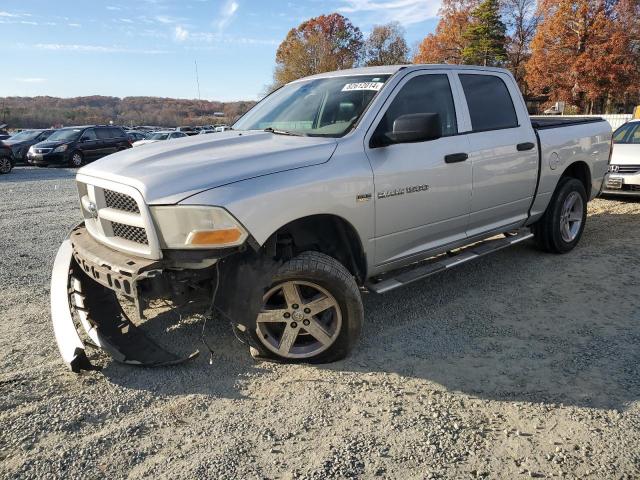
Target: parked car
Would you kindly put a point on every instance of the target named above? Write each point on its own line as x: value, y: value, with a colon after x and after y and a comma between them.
x: 6, y: 159
x: 75, y: 146
x: 206, y: 131
x: 363, y: 179
x: 624, y: 171
x: 159, y: 137
x: 188, y: 130
x: 222, y: 128
x: 136, y: 136
x: 21, y: 142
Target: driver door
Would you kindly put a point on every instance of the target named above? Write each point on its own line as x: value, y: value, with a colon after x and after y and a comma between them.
x: 422, y: 189
x: 89, y: 145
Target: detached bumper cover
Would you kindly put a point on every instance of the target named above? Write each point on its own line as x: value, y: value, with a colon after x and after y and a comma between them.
x: 99, y: 313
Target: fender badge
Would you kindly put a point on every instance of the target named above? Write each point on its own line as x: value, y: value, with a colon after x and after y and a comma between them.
x: 363, y: 197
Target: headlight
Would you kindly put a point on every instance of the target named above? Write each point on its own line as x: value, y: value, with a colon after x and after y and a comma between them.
x: 32, y: 149
x: 61, y: 148
x: 188, y: 226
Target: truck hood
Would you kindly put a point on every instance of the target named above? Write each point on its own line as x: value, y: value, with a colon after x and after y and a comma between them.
x: 626, y: 154
x: 168, y: 172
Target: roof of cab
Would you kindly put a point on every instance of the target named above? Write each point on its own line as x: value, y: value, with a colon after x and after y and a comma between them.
x: 392, y: 69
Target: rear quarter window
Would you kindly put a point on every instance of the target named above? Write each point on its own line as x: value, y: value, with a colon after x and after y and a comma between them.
x: 489, y: 101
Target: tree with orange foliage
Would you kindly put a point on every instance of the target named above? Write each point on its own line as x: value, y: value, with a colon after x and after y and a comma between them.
x: 320, y: 44
x: 448, y: 42
x: 585, y: 52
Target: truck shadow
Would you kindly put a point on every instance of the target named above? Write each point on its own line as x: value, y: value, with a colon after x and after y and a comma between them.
x: 520, y: 325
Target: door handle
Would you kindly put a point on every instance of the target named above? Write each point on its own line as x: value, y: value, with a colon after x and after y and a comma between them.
x: 525, y: 146
x: 455, y: 157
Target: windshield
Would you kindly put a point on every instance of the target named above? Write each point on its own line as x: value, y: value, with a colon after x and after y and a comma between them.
x: 25, y: 135
x: 159, y: 136
x: 64, y: 135
x: 629, y: 133
x: 324, y: 107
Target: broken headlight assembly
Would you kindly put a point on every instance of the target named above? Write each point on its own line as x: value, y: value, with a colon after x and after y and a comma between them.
x: 190, y: 227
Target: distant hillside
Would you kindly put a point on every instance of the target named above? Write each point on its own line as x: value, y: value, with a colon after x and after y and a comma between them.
x: 42, y: 112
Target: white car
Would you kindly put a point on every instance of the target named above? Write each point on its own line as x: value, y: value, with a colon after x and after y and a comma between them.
x: 159, y: 137
x: 624, y: 170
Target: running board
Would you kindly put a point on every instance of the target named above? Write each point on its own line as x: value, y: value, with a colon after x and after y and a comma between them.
x: 447, y: 260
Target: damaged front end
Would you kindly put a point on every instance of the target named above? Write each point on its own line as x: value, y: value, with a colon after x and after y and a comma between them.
x: 90, y: 282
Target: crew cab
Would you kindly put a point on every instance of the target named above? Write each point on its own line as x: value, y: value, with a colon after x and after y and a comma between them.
x: 333, y: 185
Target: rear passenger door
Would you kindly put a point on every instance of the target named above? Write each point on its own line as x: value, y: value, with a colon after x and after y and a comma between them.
x: 503, y: 151
x: 107, y: 142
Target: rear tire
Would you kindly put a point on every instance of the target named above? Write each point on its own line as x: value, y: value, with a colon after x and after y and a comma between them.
x: 312, y: 312
x: 76, y: 160
x: 5, y: 165
x: 562, y: 225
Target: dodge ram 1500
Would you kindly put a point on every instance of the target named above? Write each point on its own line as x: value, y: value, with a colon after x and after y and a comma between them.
x: 339, y: 183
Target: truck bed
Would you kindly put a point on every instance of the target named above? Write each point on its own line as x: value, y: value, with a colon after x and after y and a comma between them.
x: 549, y: 121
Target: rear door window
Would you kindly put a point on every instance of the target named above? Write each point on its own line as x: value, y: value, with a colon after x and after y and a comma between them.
x: 489, y: 101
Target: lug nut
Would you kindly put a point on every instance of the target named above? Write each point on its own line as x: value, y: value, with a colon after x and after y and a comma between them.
x: 307, y: 310
x: 287, y: 314
x: 294, y: 324
x: 306, y: 323
x: 295, y: 306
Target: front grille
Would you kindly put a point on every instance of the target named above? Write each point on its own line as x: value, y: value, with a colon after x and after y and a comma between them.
x: 628, y: 169
x: 120, y: 201
x: 631, y: 188
x: 129, y: 232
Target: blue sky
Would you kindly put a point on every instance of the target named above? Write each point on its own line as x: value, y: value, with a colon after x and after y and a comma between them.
x: 148, y: 47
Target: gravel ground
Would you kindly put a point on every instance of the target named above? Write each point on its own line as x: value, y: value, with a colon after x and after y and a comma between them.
x: 521, y: 365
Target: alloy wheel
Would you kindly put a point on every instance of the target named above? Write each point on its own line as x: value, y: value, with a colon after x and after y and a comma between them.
x: 571, y: 217
x: 299, y: 320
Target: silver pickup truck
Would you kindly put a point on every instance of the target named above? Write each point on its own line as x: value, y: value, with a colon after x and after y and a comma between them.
x: 336, y: 184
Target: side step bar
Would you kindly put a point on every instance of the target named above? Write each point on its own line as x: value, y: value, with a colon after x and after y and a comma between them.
x: 447, y: 260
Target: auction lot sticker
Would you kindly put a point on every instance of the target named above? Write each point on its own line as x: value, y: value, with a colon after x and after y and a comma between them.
x: 350, y: 87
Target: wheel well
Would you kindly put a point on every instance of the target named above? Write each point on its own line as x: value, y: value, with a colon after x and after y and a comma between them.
x: 580, y: 171
x: 329, y: 234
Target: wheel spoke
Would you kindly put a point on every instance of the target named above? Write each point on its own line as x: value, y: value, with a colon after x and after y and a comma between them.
x: 287, y: 340
x: 291, y: 294
x: 319, y: 305
x: 270, y: 316
x: 575, y: 216
x: 318, y: 332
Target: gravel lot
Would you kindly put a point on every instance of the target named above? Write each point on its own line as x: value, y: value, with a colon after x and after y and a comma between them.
x: 521, y: 365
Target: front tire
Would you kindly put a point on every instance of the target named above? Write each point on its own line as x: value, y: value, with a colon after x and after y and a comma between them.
x: 561, y: 227
x: 76, y: 160
x: 5, y: 165
x: 312, y: 312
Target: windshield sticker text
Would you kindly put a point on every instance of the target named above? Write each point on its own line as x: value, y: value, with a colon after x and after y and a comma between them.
x: 350, y: 87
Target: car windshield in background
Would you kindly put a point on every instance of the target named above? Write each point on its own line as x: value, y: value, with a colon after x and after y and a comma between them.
x: 159, y: 136
x: 25, y: 135
x: 326, y: 107
x: 66, y: 134
x: 629, y: 133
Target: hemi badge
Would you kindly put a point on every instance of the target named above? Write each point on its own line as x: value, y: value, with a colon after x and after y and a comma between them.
x: 363, y: 197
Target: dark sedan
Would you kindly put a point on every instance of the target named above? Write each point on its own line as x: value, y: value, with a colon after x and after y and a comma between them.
x: 21, y: 142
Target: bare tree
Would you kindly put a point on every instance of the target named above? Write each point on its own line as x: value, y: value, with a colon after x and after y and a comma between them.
x: 522, y: 20
x: 386, y: 46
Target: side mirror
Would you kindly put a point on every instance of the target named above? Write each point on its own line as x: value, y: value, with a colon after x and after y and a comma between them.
x: 414, y: 127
